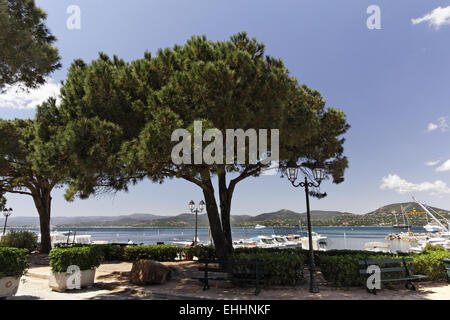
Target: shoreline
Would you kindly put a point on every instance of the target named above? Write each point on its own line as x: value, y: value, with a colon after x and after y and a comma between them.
x: 243, y: 227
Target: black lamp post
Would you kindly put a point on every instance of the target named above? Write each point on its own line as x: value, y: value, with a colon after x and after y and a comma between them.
x: 319, y: 172
x: 6, y: 213
x: 201, y: 205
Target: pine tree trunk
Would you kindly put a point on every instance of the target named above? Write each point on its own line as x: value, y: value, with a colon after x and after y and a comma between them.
x: 43, y: 206
x: 221, y: 233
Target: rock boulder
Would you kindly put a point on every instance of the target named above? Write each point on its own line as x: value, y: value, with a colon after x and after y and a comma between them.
x: 149, y: 272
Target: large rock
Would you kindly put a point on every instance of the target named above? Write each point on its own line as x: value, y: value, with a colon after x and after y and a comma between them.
x: 149, y: 272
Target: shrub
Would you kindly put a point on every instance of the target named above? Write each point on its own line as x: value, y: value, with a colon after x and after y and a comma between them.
x: 84, y: 257
x: 159, y: 253
x: 343, y: 270
x: 111, y: 252
x: 284, y: 268
x: 13, y: 262
x: 21, y: 240
x: 202, y: 252
x: 430, y: 263
x: 430, y: 247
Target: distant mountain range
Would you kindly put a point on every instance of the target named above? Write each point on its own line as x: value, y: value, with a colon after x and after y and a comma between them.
x: 385, y: 215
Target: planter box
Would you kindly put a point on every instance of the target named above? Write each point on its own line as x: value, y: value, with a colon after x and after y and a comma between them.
x: 58, y: 280
x: 9, y: 286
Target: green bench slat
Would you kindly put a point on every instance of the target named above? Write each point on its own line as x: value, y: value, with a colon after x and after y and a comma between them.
x: 392, y: 269
x: 369, y: 262
x: 413, y: 277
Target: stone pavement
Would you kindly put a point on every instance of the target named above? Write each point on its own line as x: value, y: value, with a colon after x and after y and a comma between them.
x: 112, y: 283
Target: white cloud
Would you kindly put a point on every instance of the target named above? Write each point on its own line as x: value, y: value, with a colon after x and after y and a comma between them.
x: 436, y: 18
x: 15, y: 97
x: 444, y: 167
x: 441, y: 124
x: 432, y: 163
x: 394, y: 182
x: 432, y: 126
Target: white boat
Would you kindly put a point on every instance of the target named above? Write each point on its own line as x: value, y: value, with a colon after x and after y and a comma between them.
x: 437, y: 226
x: 247, y: 243
x: 286, y: 242
x: 433, y: 228
x: 319, y: 242
x: 378, y: 246
x: 268, y: 242
x: 258, y: 226
x: 67, y: 237
x: 441, y: 239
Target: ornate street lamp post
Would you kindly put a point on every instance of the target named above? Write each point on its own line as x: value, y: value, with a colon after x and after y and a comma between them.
x: 6, y: 213
x: 319, y: 172
x: 195, y: 210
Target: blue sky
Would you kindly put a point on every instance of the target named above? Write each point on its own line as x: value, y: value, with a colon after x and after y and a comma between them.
x: 392, y: 83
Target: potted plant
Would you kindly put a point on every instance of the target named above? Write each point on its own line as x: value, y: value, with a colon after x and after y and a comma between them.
x: 73, y: 268
x: 13, y: 265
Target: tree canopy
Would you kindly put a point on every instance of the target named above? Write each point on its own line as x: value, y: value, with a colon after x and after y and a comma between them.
x: 26, y: 52
x: 23, y: 170
x: 135, y: 107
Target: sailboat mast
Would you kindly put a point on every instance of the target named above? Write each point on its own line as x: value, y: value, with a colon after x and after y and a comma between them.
x: 431, y: 215
x: 395, y: 216
x: 403, y: 216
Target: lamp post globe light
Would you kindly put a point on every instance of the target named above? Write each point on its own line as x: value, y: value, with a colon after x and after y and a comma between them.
x: 195, y: 210
x: 319, y: 171
x: 6, y: 213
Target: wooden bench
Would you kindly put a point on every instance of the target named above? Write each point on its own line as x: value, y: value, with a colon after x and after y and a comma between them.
x: 403, y: 268
x: 242, y: 271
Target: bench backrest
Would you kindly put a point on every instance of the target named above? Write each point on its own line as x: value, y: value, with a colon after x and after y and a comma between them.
x: 405, y: 268
x: 383, y: 261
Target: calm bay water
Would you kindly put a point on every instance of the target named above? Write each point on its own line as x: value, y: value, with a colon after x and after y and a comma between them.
x: 338, y: 237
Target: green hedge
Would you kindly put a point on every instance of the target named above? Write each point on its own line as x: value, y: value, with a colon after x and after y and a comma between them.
x: 343, y: 270
x: 111, y: 252
x: 284, y: 268
x: 431, y: 264
x: 159, y: 253
x: 85, y: 258
x: 13, y: 262
x: 201, y: 252
x: 20, y: 239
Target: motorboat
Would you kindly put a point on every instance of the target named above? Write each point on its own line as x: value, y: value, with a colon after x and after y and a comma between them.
x: 67, y: 237
x: 264, y: 242
x: 258, y: 226
x: 247, y: 243
x: 269, y: 242
x: 443, y: 239
x: 319, y: 242
x: 437, y: 225
x: 433, y: 228
x: 378, y: 246
x: 286, y: 242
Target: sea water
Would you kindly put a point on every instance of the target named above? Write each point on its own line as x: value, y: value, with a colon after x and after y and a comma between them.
x: 338, y: 237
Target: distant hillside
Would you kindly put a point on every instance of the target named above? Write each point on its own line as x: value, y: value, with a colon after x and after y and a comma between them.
x: 391, y: 213
x: 383, y: 216
x: 123, y: 220
x: 279, y: 218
